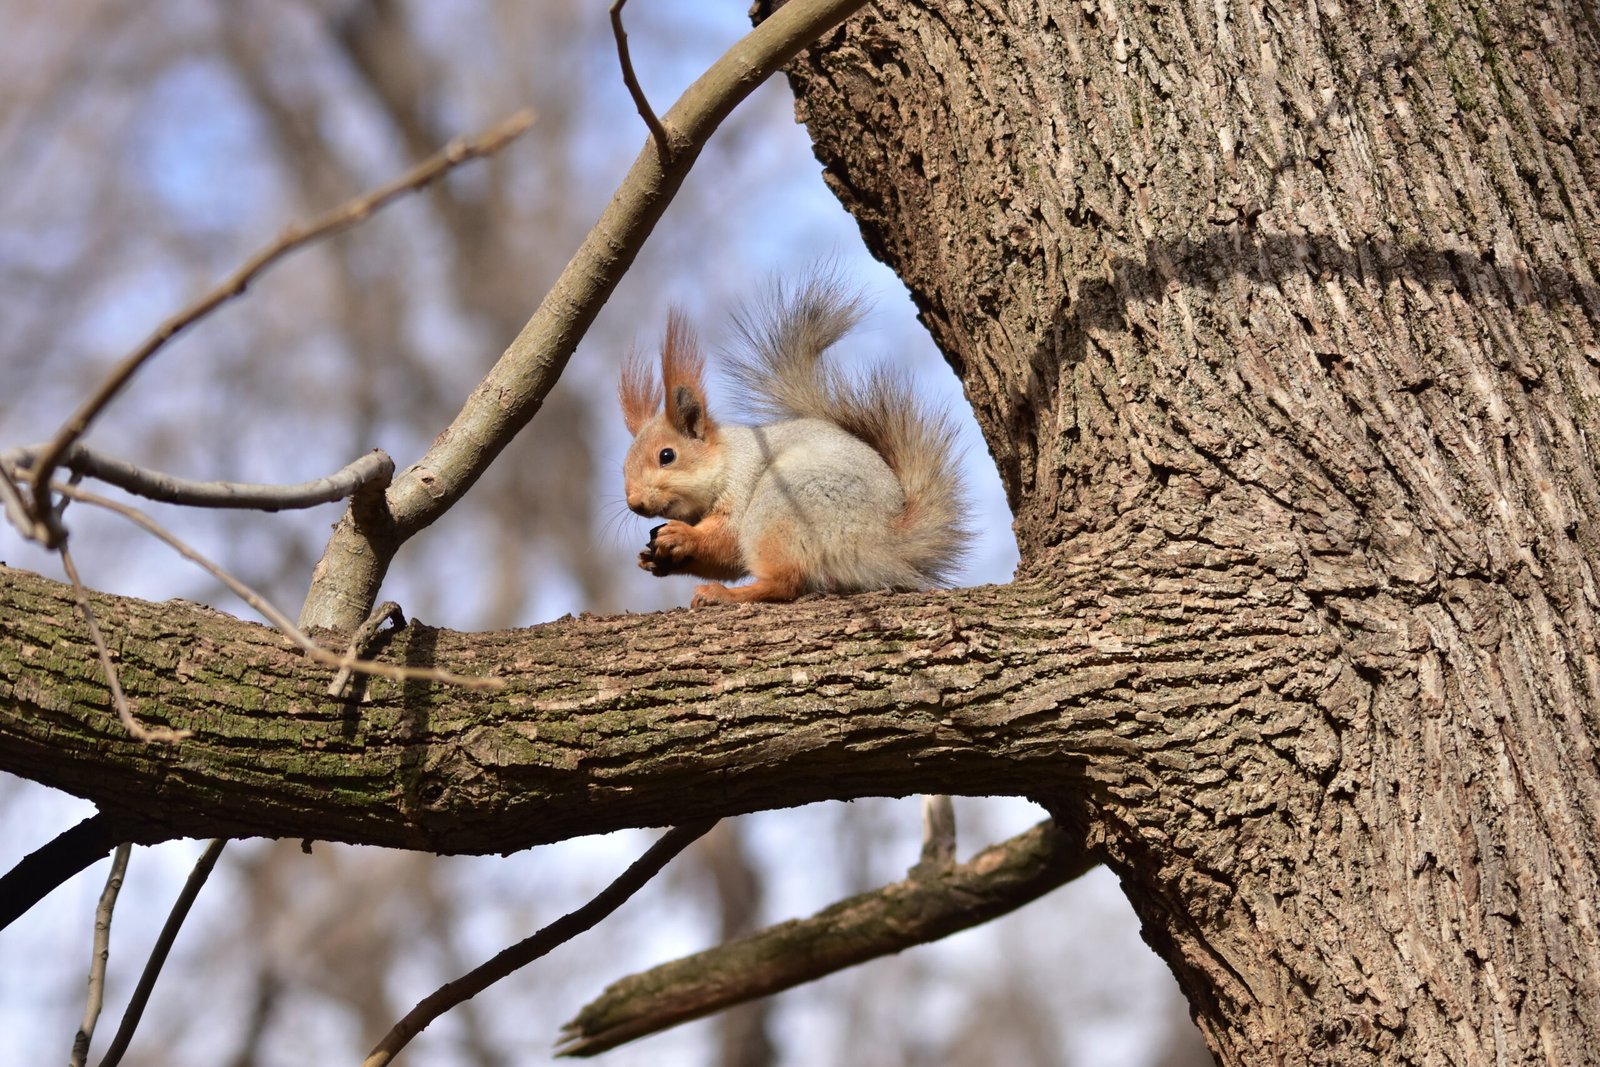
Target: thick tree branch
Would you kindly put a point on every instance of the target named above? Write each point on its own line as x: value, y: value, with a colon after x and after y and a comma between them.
x: 346, y: 583
x: 326, y: 657
x: 884, y: 921
x: 627, y: 721
x: 119, y: 700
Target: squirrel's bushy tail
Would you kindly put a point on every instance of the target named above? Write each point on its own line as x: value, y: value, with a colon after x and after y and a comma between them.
x: 783, y: 374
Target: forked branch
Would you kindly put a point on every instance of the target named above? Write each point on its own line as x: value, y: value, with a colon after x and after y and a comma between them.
x: 358, y: 555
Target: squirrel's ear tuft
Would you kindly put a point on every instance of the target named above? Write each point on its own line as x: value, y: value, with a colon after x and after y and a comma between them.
x: 639, y: 392
x: 682, y: 367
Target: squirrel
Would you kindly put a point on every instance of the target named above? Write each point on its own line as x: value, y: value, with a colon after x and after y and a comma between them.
x: 840, y: 486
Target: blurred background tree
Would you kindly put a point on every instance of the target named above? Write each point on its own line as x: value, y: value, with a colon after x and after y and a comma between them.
x: 146, y: 149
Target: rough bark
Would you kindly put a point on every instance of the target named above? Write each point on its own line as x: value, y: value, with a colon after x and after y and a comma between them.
x: 1035, y: 689
x: 1314, y: 282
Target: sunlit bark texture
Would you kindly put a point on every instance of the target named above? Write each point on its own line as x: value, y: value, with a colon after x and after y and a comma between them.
x: 1306, y: 294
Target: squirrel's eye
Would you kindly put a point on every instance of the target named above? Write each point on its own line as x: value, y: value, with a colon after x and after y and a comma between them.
x: 667, y: 456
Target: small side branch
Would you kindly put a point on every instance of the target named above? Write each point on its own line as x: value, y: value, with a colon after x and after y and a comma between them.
x: 658, y: 132
x: 529, y: 949
x: 361, y: 641
x: 158, y: 954
x: 102, y: 953
x: 137, y: 730
x: 923, y: 908
x: 340, y: 219
x: 45, y: 868
x: 373, y: 469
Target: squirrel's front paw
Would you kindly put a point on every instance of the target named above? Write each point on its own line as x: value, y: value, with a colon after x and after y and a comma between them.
x: 668, y: 550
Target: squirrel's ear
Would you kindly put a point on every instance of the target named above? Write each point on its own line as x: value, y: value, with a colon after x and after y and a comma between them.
x: 688, y: 414
x: 682, y: 371
x: 639, y: 392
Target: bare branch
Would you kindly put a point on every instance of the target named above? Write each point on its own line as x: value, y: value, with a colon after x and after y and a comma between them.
x: 265, y: 607
x: 136, y: 729
x: 362, y: 640
x: 372, y: 470
x: 658, y: 132
x: 923, y: 908
x: 359, y: 553
x: 336, y: 221
x: 102, y: 953
x: 45, y: 868
x: 158, y: 954
x: 531, y: 948
x: 17, y: 512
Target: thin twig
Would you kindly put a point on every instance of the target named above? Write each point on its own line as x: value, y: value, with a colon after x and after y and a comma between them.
x: 46, y: 867
x: 137, y: 730
x: 342, y: 218
x: 16, y: 509
x: 531, y: 948
x: 277, y: 618
x: 362, y: 640
x: 375, y: 468
x: 658, y: 132
x: 922, y: 908
x: 102, y: 953
x: 158, y: 954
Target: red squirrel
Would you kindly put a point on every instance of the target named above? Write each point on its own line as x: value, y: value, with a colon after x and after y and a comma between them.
x: 840, y: 487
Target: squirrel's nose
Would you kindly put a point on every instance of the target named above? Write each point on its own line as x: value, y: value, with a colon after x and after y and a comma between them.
x: 636, y: 504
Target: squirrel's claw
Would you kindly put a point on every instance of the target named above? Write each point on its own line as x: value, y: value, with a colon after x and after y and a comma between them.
x: 708, y: 594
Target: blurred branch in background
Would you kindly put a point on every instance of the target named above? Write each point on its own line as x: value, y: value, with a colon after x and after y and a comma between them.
x: 539, y: 944
x: 158, y: 955
x: 920, y: 909
x: 102, y: 953
x: 48, y: 457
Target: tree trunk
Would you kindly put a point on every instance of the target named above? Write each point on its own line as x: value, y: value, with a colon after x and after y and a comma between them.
x: 1309, y: 289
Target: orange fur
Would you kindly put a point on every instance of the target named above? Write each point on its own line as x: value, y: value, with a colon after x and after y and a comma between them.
x: 778, y: 576
x: 707, y: 549
x: 682, y: 367
x: 638, y: 391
